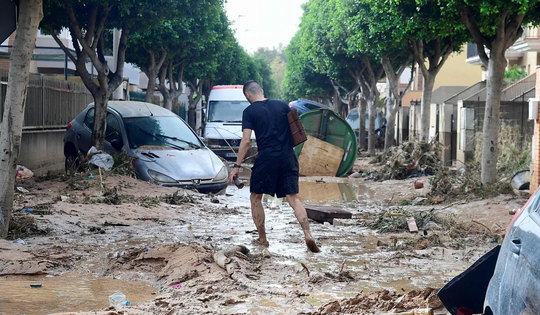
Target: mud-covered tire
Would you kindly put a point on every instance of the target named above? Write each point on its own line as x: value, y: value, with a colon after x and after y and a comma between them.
x: 72, y: 163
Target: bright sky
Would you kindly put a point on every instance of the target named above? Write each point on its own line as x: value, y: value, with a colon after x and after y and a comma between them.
x: 268, y: 22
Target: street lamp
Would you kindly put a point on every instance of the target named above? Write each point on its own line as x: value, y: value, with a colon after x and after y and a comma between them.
x: 238, y: 29
x: 245, y: 39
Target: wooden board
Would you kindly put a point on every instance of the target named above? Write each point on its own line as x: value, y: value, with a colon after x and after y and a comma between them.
x: 319, y: 158
x: 326, y: 213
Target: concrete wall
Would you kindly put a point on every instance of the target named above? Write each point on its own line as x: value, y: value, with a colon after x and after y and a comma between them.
x: 42, y: 151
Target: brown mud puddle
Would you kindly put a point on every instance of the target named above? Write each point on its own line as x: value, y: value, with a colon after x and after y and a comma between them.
x: 69, y: 292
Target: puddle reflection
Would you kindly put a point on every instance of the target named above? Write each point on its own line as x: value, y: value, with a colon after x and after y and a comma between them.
x: 69, y: 292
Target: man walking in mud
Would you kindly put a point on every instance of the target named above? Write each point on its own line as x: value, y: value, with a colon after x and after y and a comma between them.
x: 276, y: 169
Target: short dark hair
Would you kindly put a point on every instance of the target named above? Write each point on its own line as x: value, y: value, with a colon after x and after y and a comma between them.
x: 252, y: 86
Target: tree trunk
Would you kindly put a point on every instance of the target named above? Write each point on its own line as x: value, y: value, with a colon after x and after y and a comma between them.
x: 167, y: 101
x: 101, y: 99
x: 429, y: 82
x: 362, y: 144
x: 152, y: 77
x: 496, y: 69
x: 192, y: 118
x: 30, y: 15
x: 391, y: 110
x: 337, y: 102
x: 371, y: 101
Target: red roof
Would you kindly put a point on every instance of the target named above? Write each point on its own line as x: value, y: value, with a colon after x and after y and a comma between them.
x: 221, y: 87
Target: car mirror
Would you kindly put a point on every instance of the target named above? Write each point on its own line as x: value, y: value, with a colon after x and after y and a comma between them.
x: 117, y: 144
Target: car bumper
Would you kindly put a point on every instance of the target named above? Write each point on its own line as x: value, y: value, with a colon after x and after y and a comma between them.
x: 202, y: 188
x: 227, y: 154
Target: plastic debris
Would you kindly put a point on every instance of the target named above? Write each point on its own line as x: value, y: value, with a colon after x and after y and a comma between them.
x: 36, y: 285
x: 411, y: 222
x: 28, y: 210
x: 117, y: 300
x: 23, y: 173
x: 19, y: 241
x: 22, y: 190
x: 90, y: 176
x: 100, y: 159
x: 177, y: 286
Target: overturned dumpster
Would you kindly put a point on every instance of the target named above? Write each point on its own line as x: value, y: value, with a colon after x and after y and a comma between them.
x: 331, y: 147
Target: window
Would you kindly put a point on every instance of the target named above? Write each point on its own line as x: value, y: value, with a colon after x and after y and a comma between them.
x: 113, y: 128
x: 89, y: 119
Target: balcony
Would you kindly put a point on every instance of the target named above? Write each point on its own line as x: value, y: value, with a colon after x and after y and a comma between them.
x: 529, y: 41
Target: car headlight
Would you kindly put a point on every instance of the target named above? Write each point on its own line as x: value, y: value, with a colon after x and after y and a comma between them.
x: 162, y: 178
x: 210, y: 142
x: 221, y: 175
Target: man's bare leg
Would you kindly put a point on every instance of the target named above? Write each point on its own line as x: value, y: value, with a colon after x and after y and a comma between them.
x: 257, y: 212
x: 301, y: 216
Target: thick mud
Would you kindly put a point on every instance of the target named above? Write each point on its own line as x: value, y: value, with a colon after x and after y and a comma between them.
x: 156, y: 245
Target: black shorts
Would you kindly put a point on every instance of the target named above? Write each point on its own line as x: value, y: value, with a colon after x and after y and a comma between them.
x: 275, y: 177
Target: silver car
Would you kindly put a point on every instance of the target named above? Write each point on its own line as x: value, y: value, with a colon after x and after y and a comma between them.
x: 165, y: 148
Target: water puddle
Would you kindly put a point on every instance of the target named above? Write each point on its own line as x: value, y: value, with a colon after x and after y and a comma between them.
x: 69, y: 292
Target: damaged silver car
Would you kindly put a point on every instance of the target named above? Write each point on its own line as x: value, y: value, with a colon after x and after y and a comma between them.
x: 165, y: 148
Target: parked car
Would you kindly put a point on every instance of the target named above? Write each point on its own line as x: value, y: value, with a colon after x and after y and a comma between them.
x: 303, y: 105
x: 166, y: 150
x: 506, y: 280
x: 380, y: 123
x: 515, y: 285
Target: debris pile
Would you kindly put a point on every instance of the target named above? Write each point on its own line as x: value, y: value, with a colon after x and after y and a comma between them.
x: 411, y: 159
x: 383, y: 301
x: 395, y: 220
x: 466, y: 181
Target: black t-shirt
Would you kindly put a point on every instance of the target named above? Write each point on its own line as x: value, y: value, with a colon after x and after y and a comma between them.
x: 268, y: 119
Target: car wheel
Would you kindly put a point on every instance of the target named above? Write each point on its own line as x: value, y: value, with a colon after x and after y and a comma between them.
x: 72, y: 163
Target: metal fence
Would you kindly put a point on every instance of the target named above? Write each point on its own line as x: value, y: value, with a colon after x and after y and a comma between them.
x: 51, y: 103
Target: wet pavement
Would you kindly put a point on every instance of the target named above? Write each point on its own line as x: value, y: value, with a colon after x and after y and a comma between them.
x: 352, y: 248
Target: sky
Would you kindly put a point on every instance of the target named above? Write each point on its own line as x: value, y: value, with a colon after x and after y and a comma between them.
x: 268, y: 22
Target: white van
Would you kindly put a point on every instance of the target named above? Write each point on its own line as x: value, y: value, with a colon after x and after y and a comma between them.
x: 223, y: 120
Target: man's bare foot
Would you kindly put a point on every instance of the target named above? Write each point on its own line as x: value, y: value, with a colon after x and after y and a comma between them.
x: 259, y: 242
x: 312, y: 246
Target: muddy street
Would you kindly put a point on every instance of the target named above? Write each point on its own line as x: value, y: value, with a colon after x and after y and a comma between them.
x: 84, y: 241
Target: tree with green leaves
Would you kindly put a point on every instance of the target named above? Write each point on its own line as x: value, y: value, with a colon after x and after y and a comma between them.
x: 373, y: 30
x: 330, y: 38
x: 301, y: 80
x: 30, y: 15
x: 494, y: 25
x: 164, y: 51
x: 514, y: 74
x: 87, y: 22
x: 265, y: 72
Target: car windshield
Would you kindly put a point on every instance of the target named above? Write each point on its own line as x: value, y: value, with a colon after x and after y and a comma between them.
x: 170, y: 131
x: 226, y: 111
x: 353, y: 120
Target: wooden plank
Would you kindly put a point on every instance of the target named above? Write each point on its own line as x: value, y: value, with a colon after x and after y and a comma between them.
x: 326, y: 213
x: 319, y: 158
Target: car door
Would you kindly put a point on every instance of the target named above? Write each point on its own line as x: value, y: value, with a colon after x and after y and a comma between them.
x: 113, y: 132
x: 84, y: 134
x: 525, y: 245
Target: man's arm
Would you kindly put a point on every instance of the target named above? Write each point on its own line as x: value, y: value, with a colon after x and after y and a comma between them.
x: 244, y: 146
x: 242, y: 151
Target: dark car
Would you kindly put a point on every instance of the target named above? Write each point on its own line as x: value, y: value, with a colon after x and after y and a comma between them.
x: 515, y: 286
x: 354, y: 122
x: 303, y: 105
x: 165, y: 148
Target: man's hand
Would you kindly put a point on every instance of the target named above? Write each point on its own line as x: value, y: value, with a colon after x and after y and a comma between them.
x: 234, y: 172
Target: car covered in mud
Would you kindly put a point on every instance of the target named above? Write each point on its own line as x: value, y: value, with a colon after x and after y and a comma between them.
x: 506, y: 280
x: 166, y: 150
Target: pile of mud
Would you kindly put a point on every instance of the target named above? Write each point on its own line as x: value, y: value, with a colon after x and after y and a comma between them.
x: 383, y: 302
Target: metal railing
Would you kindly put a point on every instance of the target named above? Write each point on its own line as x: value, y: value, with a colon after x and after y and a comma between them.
x: 50, y: 103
